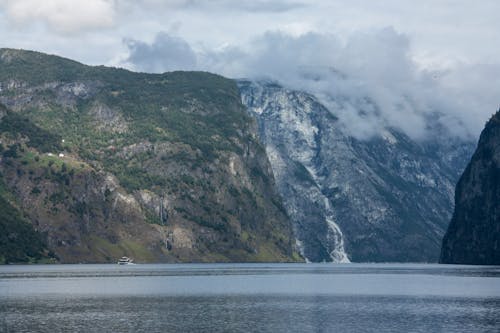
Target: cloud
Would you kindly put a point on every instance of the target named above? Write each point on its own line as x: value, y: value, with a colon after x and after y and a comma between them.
x: 166, y: 53
x: 275, y: 6
x: 269, y: 6
x: 472, y: 92
x: 369, y: 80
x: 61, y: 16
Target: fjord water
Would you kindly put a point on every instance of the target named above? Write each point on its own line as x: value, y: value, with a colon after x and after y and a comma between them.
x: 250, y: 298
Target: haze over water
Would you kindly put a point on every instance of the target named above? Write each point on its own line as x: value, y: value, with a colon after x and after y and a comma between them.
x: 250, y: 297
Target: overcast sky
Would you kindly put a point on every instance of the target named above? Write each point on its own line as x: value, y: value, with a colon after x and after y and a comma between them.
x: 410, y: 57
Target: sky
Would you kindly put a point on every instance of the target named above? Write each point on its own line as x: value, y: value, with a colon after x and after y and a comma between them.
x: 411, y: 59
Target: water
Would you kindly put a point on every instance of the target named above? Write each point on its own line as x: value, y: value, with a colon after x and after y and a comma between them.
x: 250, y: 298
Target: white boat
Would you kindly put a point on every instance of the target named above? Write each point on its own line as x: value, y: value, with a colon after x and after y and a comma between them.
x: 125, y: 261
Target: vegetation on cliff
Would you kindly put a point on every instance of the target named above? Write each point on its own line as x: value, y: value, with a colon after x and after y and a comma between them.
x: 162, y: 167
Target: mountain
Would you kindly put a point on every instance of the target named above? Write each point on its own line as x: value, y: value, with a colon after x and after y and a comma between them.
x: 386, y: 198
x: 100, y: 162
x: 473, y: 236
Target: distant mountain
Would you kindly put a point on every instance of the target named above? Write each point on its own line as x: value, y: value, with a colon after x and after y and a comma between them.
x: 101, y: 162
x: 388, y: 198
x: 473, y: 236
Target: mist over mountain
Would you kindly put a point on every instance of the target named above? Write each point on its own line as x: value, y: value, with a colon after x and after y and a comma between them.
x: 374, y: 71
x: 386, y: 198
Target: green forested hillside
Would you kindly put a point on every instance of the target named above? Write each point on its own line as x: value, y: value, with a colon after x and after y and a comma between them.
x: 162, y: 167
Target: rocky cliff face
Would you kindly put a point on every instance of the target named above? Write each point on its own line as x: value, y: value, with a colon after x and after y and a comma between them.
x: 387, y: 198
x: 473, y: 236
x: 104, y: 162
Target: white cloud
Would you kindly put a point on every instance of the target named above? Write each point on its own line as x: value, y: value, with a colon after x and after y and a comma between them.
x: 166, y: 53
x: 61, y: 16
x: 273, y: 6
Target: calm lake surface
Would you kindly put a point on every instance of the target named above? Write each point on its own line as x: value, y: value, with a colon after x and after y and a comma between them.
x: 250, y: 298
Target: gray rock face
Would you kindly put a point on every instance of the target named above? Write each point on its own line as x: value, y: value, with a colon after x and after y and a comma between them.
x: 473, y: 236
x: 388, y: 198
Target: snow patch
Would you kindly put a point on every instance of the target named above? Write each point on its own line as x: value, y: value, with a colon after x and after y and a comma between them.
x: 231, y: 166
x: 258, y: 110
x: 387, y: 136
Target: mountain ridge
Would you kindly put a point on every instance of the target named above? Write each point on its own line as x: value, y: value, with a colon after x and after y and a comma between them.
x: 159, y: 167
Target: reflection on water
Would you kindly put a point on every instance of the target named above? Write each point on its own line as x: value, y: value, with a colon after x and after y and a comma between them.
x: 250, y: 298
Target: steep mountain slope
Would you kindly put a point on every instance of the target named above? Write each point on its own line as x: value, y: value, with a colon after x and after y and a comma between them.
x: 18, y: 240
x: 107, y: 162
x: 384, y: 199
x: 473, y: 236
